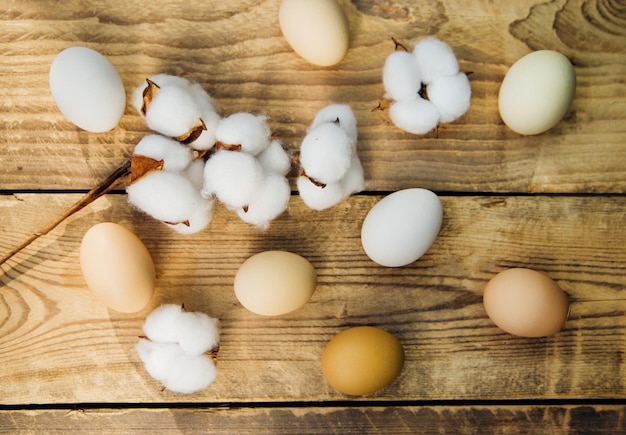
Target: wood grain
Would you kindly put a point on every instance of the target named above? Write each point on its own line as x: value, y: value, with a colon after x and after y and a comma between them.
x: 236, y: 51
x: 60, y: 345
x: 556, y: 420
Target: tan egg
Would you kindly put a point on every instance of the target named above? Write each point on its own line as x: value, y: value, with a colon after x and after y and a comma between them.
x: 316, y: 29
x: 525, y: 302
x: 273, y: 283
x: 362, y: 360
x: 117, y: 267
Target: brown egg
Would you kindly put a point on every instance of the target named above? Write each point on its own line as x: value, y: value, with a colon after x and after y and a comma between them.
x: 362, y: 360
x: 525, y: 302
x: 273, y: 283
x: 117, y: 267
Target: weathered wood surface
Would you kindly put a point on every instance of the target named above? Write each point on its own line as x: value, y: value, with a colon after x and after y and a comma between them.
x: 235, y: 49
x: 555, y: 420
x: 60, y: 345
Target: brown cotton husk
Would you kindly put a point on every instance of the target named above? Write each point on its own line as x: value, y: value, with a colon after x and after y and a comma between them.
x: 140, y: 166
x: 228, y: 147
x: 148, y: 94
x: 193, y: 133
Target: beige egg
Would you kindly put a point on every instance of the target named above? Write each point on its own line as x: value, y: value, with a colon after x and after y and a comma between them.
x: 536, y: 92
x: 316, y: 29
x: 117, y: 267
x: 273, y: 283
x: 362, y: 360
x: 525, y: 302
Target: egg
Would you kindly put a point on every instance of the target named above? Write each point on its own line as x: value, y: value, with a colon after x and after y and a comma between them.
x: 316, y: 29
x: 117, y: 267
x: 526, y: 302
x: 362, y: 360
x: 536, y: 92
x: 401, y: 227
x: 273, y: 283
x: 87, y: 89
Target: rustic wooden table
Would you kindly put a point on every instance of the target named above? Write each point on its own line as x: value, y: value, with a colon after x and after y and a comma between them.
x: 553, y: 202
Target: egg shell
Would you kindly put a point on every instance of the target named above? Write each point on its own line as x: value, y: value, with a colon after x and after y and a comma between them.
x: 316, y: 29
x: 536, y: 92
x: 362, y: 360
x: 401, y: 227
x: 117, y: 267
x: 87, y: 89
x: 526, y: 303
x: 273, y: 283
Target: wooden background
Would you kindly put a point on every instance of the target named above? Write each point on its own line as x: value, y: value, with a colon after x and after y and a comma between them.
x: 554, y: 202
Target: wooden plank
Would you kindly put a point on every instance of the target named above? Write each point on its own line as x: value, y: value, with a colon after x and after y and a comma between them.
x: 570, y: 419
x: 59, y: 345
x: 236, y: 51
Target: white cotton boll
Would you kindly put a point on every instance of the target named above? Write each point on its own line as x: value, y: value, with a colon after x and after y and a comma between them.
x: 160, y: 325
x: 173, y: 111
x: 166, y: 196
x: 245, y: 129
x: 435, y: 59
x: 325, y: 153
x: 337, y: 113
x: 190, y: 373
x: 268, y: 202
x: 158, y: 357
x: 451, y: 95
x: 275, y: 159
x: 197, y: 220
x: 203, y: 100
x: 354, y: 181
x: 318, y: 198
x: 416, y: 116
x: 194, y: 172
x: 197, y: 332
x: 233, y: 177
x: 401, y: 77
x: 175, y: 156
x: 207, y: 139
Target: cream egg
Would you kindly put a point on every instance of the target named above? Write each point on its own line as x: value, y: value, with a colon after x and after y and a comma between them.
x: 273, y: 283
x: 401, y: 227
x: 362, y: 360
x: 87, y: 89
x: 117, y: 267
x: 536, y: 92
x: 526, y: 302
x: 316, y: 29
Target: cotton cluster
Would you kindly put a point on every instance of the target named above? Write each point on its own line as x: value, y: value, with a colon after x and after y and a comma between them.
x: 174, y: 351
x: 199, y: 156
x: 331, y: 169
x: 248, y: 171
x: 425, y: 86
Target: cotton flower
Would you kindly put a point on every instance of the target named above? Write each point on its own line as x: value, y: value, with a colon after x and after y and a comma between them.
x: 275, y: 159
x: 417, y: 116
x: 176, y: 156
x: 401, y: 77
x: 340, y: 114
x: 451, y: 96
x: 269, y: 201
x: 325, y: 153
x: 175, y: 347
x: 249, y: 131
x: 434, y: 59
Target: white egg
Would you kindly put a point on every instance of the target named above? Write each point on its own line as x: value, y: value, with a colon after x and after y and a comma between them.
x: 87, y: 89
x: 401, y: 227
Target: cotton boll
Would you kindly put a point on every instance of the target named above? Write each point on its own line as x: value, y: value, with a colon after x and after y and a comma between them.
x: 173, y: 111
x: 245, y: 129
x: 203, y: 100
x: 268, y: 202
x: 166, y: 196
x: 207, y: 139
x: 160, y: 325
x: 233, y: 177
x: 325, y: 153
x: 318, y: 198
x: 451, y: 95
x: 337, y: 113
x: 354, y: 181
x: 197, y: 220
x: 175, y: 156
x: 435, y: 59
x: 194, y: 172
x: 189, y: 373
x: 417, y: 116
x: 158, y: 357
x: 401, y: 77
x: 197, y: 332
x: 275, y: 159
